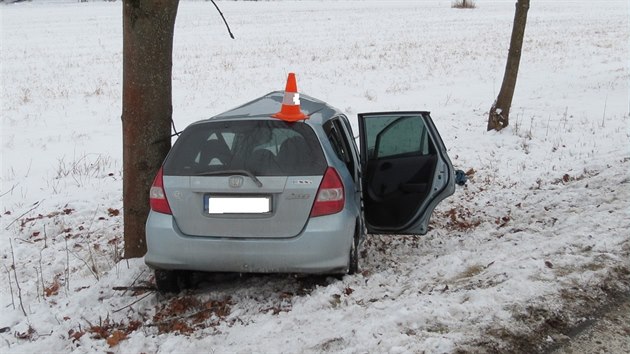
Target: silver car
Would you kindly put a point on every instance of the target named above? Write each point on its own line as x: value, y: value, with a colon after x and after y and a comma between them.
x: 245, y: 191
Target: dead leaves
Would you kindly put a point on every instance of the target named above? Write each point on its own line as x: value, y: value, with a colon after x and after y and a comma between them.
x: 566, y: 178
x: 182, y: 315
x: 186, y: 314
x: 503, y: 221
x: 461, y: 219
x: 53, y: 289
x: 28, y: 335
x: 113, y: 212
x: 116, y: 337
x: 65, y: 211
x: 112, y: 332
x: 75, y: 335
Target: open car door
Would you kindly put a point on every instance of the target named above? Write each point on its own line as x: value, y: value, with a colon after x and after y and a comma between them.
x: 406, y: 171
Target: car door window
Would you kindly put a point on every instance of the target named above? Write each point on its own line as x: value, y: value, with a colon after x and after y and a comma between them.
x: 402, y: 136
x: 339, y: 141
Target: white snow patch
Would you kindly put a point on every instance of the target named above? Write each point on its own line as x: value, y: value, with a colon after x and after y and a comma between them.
x: 544, y: 215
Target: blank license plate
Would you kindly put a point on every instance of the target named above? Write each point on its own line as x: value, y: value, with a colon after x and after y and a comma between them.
x: 238, y: 205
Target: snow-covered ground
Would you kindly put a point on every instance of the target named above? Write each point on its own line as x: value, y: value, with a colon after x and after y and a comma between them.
x: 537, y: 239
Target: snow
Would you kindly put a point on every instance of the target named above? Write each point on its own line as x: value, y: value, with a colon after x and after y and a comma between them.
x: 538, y: 234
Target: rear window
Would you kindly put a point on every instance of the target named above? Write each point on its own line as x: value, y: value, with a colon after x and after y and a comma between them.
x: 262, y: 147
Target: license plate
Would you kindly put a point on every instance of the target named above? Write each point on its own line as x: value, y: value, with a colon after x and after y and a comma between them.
x: 237, y: 205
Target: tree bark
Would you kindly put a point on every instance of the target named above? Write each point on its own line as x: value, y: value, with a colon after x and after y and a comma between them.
x: 148, y: 27
x: 498, y: 117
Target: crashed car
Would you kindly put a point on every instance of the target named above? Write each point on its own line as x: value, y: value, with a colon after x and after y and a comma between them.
x: 279, y: 185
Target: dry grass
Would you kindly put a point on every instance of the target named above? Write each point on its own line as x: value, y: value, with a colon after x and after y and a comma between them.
x: 463, y: 4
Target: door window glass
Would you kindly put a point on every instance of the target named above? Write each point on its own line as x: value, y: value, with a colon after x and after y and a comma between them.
x: 338, y: 141
x: 397, y: 136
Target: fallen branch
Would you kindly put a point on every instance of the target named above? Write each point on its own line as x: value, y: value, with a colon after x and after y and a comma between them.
x: 132, y: 284
x: 26, y: 212
x: 133, y: 303
x: 133, y: 288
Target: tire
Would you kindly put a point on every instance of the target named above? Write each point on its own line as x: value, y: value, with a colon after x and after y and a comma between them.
x: 167, y: 281
x: 353, y: 264
x: 353, y: 267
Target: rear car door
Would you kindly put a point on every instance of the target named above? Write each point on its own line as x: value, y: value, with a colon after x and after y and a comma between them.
x: 406, y: 171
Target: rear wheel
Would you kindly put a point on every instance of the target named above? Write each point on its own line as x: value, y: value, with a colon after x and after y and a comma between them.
x: 354, y: 260
x: 167, y: 281
x: 353, y: 266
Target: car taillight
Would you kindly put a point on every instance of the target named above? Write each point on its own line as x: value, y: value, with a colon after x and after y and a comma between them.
x: 157, y: 196
x: 330, y: 195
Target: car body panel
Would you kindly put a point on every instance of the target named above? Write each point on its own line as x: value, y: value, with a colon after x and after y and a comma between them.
x: 322, y: 247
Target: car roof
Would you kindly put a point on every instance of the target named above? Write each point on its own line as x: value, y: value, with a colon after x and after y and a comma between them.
x: 263, y: 107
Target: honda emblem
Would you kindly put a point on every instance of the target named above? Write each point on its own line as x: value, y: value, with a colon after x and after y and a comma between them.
x: 235, y: 182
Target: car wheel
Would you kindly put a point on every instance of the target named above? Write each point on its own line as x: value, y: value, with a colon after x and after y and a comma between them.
x: 353, y: 266
x: 166, y: 281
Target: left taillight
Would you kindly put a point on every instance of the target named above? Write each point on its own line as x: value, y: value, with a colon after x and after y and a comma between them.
x: 157, y: 196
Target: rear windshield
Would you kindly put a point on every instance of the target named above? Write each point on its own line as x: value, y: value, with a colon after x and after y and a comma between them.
x: 262, y: 147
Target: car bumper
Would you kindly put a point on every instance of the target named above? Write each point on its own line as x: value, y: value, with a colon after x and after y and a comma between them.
x: 323, y: 246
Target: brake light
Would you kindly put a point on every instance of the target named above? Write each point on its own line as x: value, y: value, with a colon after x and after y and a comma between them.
x: 330, y: 195
x: 157, y: 196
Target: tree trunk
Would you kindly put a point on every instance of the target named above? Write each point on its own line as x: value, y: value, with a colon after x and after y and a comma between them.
x: 148, y: 27
x: 500, y: 111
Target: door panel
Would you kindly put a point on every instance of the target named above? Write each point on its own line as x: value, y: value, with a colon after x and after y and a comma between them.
x: 406, y: 171
x: 394, y: 186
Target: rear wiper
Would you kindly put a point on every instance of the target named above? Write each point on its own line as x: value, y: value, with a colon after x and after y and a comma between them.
x: 232, y: 172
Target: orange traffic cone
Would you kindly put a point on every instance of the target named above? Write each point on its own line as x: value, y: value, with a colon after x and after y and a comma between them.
x: 290, y: 110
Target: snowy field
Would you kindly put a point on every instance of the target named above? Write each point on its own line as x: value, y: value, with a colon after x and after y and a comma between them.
x: 535, y: 242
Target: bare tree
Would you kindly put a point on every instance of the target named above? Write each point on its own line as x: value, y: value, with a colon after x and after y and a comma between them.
x: 500, y: 111
x: 148, y: 27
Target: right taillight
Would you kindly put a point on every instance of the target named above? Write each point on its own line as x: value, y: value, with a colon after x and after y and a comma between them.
x: 157, y: 196
x: 330, y: 195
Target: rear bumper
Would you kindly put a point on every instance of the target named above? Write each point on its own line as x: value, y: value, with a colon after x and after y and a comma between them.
x: 322, y: 247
